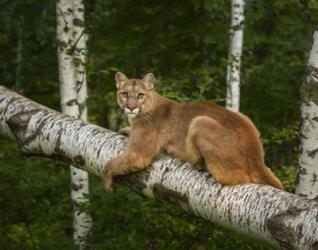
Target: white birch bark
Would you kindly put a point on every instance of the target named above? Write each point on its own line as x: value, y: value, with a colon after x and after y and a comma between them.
x: 235, y: 53
x: 80, y: 52
x: 64, y: 18
x: 73, y: 102
x: 262, y: 212
x: 307, y: 177
x: 82, y: 218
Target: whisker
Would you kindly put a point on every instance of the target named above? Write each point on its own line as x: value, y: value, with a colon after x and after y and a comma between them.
x: 147, y: 118
x: 147, y: 115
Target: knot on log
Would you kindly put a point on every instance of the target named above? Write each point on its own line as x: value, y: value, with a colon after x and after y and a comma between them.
x: 164, y: 194
x: 18, y: 125
x: 279, y: 227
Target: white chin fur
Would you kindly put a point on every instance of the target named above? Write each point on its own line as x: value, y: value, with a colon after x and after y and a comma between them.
x: 131, y: 115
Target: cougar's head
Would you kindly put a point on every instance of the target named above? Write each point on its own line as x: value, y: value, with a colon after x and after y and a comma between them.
x: 135, y: 96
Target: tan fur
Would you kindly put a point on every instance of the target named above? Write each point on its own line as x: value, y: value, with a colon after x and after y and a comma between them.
x: 226, y: 141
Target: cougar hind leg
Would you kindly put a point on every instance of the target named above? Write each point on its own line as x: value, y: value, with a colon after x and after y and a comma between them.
x: 208, y: 139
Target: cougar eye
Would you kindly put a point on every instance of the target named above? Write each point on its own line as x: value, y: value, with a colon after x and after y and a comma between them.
x: 124, y: 94
x: 140, y: 95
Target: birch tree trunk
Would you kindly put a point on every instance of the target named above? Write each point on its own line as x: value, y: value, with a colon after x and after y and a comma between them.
x: 80, y: 52
x: 307, y: 176
x: 235, y: 53
x: 80, y: 183
x: 73, y: 90
x: 262, y: 212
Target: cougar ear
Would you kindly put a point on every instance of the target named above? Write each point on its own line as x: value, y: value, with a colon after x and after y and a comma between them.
x: 120, y: 77
x: 149, y: 81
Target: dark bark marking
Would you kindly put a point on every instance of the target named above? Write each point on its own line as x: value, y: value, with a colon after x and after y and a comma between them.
x: 72, y: 102
x: 134, y: 182
x: 79, y: 160
x: 302, y: 195
x: 166, y: 170
x: 76, y: 187
x: 58, y: 141
x: 78, y: 22
x: 61, y: 157
x: 312, y: 153
x: 163, y: 194
x: 302, y: 171
x: 315, y: 246
x: 79, y: 84
x: 62, y: 45
x: 309, y: 88
x: 314, y: 178
x: 98, y: 152
x: 218, y: 193
x: 18, y: 124
x: 36, y: 132
x: 58, y: 152
x: 282, y: 233
x: 302, y: 136
x: 11, y: 100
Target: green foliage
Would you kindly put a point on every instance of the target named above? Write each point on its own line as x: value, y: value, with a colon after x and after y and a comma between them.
x: 35, y: 202
x: 148, y: 224
x: 185, y: 44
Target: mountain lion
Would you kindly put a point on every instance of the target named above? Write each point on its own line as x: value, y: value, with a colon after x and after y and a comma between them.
x: 226, y: 141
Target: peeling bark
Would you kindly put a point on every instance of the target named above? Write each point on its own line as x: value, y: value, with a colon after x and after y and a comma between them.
x: 262, y: 212
x: 235, y: 53
x: 307, y: 181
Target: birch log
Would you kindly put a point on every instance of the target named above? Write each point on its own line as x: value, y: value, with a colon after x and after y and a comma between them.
x: 235, y: 53
x: 70, y: 21
x: 307, y: 181
x: 262, y: 212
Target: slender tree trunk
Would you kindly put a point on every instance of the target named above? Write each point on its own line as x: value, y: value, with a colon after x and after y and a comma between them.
x: 80, y: 52
x: 307, y: 177
x: 235, y: 53
x: 64, y: 12
x: 80, y: 183
x: 73, y: 100
x: 262, y: 212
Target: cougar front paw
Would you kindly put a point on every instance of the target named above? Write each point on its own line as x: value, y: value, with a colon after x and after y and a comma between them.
x: 108, y: 182
x: 109, y: 188
x: 125, y: 131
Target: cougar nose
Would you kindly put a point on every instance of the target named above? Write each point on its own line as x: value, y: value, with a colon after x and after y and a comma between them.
x: 131, y: 104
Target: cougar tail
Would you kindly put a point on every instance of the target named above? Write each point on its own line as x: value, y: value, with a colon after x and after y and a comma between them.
x: 272, y: 179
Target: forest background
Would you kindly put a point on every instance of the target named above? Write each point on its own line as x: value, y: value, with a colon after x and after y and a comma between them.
x: 185, y: 44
